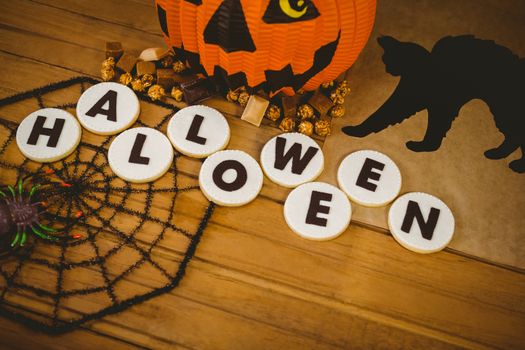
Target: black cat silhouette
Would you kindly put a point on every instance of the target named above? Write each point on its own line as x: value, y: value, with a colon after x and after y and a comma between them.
x: 457, y: 70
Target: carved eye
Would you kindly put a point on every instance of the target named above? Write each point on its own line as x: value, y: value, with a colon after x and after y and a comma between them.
x: 288, y: 11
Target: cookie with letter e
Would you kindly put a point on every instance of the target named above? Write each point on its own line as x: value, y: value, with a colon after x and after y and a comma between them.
x: 317, y: 211
x: 48, y: 135
x: 421, y: 222
x: 369, y: 178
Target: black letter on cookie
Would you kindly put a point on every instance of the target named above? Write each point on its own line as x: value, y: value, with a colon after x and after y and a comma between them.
x: 193, y: 132
x: 293, y: 154
x: 316, y: 208
x: 53, y: 133
x: 135, y: 156
x: 367, y: 173
x: 111, y: 98
x: 240, y: 179
x: 414, y: 212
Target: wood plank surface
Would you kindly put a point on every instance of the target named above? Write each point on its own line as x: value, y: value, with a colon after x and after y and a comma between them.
x: 252, y: 284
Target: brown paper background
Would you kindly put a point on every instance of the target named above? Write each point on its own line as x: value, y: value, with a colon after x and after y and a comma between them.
x: 486, y: 197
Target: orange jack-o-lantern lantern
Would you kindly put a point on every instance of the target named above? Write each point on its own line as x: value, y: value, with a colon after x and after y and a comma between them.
x: 275, y: 45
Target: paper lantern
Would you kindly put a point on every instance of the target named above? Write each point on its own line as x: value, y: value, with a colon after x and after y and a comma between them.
x: 275, y: 45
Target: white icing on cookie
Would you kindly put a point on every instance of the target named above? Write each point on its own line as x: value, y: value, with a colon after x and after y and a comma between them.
x: 48, y: 135
x: 421, y: 222
x: 292, y: 159
x: 140, y: 155
x: 369, y: 178
x: 108, y: 108
x: 198, y: 131
x: 230, y: 178
x: 317, y: 211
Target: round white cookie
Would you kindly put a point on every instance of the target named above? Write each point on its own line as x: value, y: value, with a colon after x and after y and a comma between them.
x: 369, y: 178
x: 108, y: 108
x: 140, y: 155
x: 198, y: 131
x: 230, y: 178
x: 317, y: 211
x: 421, y: 222
x: 48, y: 135
x: 292, y: 159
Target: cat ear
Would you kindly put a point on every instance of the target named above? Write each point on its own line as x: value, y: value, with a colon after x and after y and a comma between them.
x: 388, y: 42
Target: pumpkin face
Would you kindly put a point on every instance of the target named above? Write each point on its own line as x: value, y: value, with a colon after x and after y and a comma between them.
x: 275, y: 45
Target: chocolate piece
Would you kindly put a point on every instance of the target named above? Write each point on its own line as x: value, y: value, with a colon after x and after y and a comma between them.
x: 255, y: 110
x: 127, y: 62
x: 289, y: 104
x: 320, y: 103
x: 195, y: 90
x: 153, y: 54
x: 167, y: 78
x: 114, y: 49
x: 145, y: 67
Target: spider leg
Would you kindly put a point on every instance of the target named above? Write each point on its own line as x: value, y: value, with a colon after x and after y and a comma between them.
x: 45, y: 228
x: 15, y: 240
x: 23, y: 239
x: 12, y: 190
x: 42, y: 235
x: 34, y: 189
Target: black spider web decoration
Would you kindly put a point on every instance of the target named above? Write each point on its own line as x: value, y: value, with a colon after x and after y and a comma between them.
x: 123, y: 234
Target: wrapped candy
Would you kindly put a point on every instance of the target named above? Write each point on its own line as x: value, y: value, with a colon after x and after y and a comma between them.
x: 126, y: 78
x: 156, y: 92
x: 287, y: 124
x: 337, y: 111
x: 273, y: 112
x: 137, y: 85
x: 243, y: 98
x: 305, y: 112
x: 232, y: 95
x: 322, y: 127
x: 107, y: 74
x: 108, y: 63
x: 337, y: 98
x: 305, y: 127
x: 179, y: 66
x: 147, y: 79
x: 177, y: 94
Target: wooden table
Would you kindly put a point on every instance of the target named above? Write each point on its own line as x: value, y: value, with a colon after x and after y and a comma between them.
x: 253, y: 284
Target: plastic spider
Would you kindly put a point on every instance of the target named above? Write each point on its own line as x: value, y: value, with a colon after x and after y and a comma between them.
x: 18, y: 211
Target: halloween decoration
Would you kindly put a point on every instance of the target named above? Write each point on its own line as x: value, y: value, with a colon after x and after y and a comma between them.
x: 87, y: 203
x: 275, y: 45
x: 457, y: 70
x: 19, y: 216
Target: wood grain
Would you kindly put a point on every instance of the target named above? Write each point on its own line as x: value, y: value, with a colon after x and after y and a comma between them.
x: 253, y: 284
